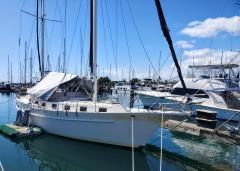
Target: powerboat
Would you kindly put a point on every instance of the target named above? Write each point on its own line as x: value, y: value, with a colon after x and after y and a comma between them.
x: 212, y: 87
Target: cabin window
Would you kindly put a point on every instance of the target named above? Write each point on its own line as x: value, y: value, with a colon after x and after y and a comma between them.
x: 43, y: 104
x: 101, y: 109
x: 67, y: 107
x: 54, y: 106
x: 83, y: 109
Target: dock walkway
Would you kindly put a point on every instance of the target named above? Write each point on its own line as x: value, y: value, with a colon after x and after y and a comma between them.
x: 19, y: 131
x: 193, y: 129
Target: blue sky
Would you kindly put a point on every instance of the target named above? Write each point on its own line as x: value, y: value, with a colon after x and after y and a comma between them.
x: 202, y: 29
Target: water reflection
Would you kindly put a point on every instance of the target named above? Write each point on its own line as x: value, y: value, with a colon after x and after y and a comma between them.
x: 7, y: 107
x: 56, y: 153
x: 210, y: 151
x: 200, y: 150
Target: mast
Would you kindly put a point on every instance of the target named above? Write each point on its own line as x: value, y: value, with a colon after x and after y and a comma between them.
x: 38, y: 49
x: 149, y: 72
x: 42, y: 38
x: 48, y: 65
x: 159, y: 67
x: 11, y: 78
x: 25, y: 64
x: 93, y: 47
x: 20, y: 72
x: 166, y: 34
x: 59, y: 64
x: 65, y: 32
x: 31, y: 68
x: 8, y: 74
x: 133, y: 73
x: 91, y: 39
x: 110, y: 72
x: 122, y: 74
x: 129, y: 74
x: 192, y: 67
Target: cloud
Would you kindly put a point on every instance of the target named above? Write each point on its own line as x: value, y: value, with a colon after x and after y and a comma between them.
x: 216, y: 54
x: 184, y: 44
x: 211, y: 27
x: 194, y: 23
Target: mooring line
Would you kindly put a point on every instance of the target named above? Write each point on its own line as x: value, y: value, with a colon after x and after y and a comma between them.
x: 161, y: 141
x: 133, y: 160
x: 1, y: 167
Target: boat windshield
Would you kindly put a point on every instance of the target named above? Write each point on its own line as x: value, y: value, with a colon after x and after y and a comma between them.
x: 123, y: 84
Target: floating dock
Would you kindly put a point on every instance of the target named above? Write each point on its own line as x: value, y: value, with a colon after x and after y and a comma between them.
x: 193, y: 129
x: 19, y: 131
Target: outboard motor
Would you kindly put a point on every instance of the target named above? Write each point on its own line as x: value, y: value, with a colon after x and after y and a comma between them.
x: 19, y: 117
x: 25, y: 119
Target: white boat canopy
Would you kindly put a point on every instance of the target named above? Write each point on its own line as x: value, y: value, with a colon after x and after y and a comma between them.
x: 49, y: 83
x: 215, y: 66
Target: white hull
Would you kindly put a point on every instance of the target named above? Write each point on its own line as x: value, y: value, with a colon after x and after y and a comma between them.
x: 222, y: 113
x: 106, y: 128
x: 111, y: 127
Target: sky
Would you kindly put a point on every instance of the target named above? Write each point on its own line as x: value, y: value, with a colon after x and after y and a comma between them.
x: 128, y: 36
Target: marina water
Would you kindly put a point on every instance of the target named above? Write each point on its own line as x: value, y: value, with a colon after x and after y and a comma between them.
x: 48, y: 152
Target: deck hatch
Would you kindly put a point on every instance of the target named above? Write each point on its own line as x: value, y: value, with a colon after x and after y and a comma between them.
x: 102, y: 109
x: 83, y: 108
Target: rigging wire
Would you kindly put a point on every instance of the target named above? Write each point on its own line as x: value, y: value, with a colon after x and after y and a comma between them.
x: 74, y: 32
x: 125, y: 33
x: 62, y: 36
x: 49, y: 39
x: 48, y: 51
x: 161, y: 141
x: 168, y: 38
x: 30, y: 39
x: 19, y: 42
x: 104, y: 34
x: 54, y: 16
x: 166, y: 59
x: 111, y: 37
x: 83, y: 35
x: 174, y: 67
x: 132, y: 133
x: 140, y: 38
x: 19, y: 50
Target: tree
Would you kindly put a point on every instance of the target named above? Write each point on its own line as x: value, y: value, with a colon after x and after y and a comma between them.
x: 104, y: 85
x: 135, y: 80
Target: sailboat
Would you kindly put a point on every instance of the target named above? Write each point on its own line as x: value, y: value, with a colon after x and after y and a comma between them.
x: 61, y: 105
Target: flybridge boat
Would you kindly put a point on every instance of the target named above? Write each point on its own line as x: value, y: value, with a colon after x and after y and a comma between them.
x: 122, y: 87
x: 214, y: 87
x: 60, y: 104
